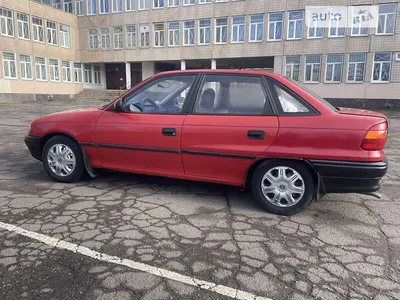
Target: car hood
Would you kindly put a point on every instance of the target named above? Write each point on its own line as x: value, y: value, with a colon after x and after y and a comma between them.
x: 76, y: 116
x: 360, y: 112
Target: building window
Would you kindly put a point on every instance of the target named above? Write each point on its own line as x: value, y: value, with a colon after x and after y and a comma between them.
x: 68, y: 6
x: 118, y: 37
x: 66, y: 71
x: 386, y: 19
x: 23, y: 26
x: 144, y: 4
x: 295, y: 27
x: 204, y: 32
x: 159, y: 32
x: 79, y: 7
x: 116, y: 6
x: 173, y: 34
x: 238, y: 29
x: 38, y: 30
x: 105, y: 38
x: 51, y: 32
x: 54, y: 70
x: 6, y: 22
x: 256, y: 28
x: 334, y: 67
x: 188, y: 2
x: 9, y: 65
x: 357, y: 28
x: 64, y: 36
x: 313, y: 68
x: 315, y: 28
x: 275, y: 26
x: 188, y: 32
x: 173, y: 3
x: 26, y: 67
x: 130, y: 5
x: 293, y: 67
x: 46, y: 2
x: 335, y: 30
x: 104, y: 6
x: 78, y: 72
x: 381, y: 67
x: 158, y: 3
x: 91, y: 7
x: 356, y: 67
x: 205, y: 1
x: 97, y: 75
x: 221, y: 31
x: 88, y: 74
x: 57, y: 4
x: 130, y: 36
x: 40, y: 67
x: 93, y: 39
x: 144, y: 35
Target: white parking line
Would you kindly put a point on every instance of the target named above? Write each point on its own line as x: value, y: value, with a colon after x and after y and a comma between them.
x: 205, y: 285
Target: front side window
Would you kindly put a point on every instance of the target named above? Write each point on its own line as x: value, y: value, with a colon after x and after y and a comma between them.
x: 116, y: 5
x: 231, y: 95
x: 40, y: 67
x: 6, y: 22
x: 57, y: 4
x: 88, y: 74
x: 131, y: 36
x: 144, y: 35
x: 159, y: 33
x: 313, y: 68
x: 386, y: 18
x: 144, y: 4
x: 173, y: 3
x: 93, y: 39
x: 38, y: 30
x: 23, y: 26
x: 165, y: 95
x: 104, y: 6
x: 130, y: 5
x: 256, y: 28
x: 238, y: 29
x: 79, y: 7
x: 78, y: 72
x: 188, y: 32
x: 26, y: 66
x: 91, y: 7
x: 204, y: 31
x: 221, y: 31
x: 68, y: 6
x: 118, y: 37
x: 66, y: 71
x: 64, y: 36
x: 356, y: 67
x: 158, y: 3
x: 275, y: 26
x: 51, y: 33
x: 293, y: 67
x: 105, y: 38
x: 173, y: 34
x: 54, y: 70
x: 9, y: 65
x: 287, y: 104
x: 381, y: 67
x: 334, y: 67
x: 295, y: 26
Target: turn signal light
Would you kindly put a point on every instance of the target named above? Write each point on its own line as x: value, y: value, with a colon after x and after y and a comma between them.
x: 375, y: 138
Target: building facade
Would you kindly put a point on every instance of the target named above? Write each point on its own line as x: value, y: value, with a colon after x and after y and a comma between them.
x: 65, y: 46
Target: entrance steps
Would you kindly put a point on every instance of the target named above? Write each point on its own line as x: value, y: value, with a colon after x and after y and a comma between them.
x: 98, y: 95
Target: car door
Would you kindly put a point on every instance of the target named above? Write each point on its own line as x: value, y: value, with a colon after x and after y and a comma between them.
x: 145, y: 137
x: 230, y: 125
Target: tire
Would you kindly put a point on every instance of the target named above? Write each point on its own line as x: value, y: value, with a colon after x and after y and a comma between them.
x: 277, y: 190
x: 68, y: 155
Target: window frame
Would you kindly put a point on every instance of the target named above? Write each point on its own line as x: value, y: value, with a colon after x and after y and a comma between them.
x: 134, y: 36
x: 233, y: 25
x: 93, y: 10
x: 381, y: 67
x: 333, y: 69
x: 107, y: 37
x: 23, y: 24
x: 120, y: 36
x: 34, y: 26
x: 148, y: 32
x: 292, y: 66
x: 221, y: 27
x: 256, y: 28
x: 274, y: 23
x: 312, y: 68
x: 79, y: 12
x: 175, y: 32
x: 64, y: 34
x: 9, y: 65
x: 45, y: 69
x: 114, y: 6
x: 53, y: 31
x: 63, y: 68
x: 144, y: 7
x: 160, y: 35
x: 102, y: 7
x: 295, y: 26
x: 55, y: 67
x: 174, y: 3
x: 67, y: 5
x: 355, y: 69
x: 386, y: 19
x: 132, y: 5
x: 188, y: 29
x: 204, y: 28
x: 78, y: 71
x: 25, y: 66
x: 6, y: 20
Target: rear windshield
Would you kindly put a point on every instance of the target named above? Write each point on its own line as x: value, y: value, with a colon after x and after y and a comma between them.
x: 319, y: 98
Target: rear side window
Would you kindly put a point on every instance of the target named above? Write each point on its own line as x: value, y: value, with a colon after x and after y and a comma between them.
x: 232, y: 95
x: 288, y: 103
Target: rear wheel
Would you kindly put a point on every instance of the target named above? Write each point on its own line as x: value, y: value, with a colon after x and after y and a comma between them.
x: 62, y: 159
x: 283, y: 187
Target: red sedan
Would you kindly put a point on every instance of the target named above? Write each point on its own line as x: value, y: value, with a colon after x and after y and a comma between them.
x: 231, y: 127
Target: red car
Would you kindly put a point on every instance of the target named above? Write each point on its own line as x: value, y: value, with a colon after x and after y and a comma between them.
x: 224, y: 126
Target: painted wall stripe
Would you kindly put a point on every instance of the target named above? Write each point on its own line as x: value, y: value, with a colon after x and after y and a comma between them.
x: 205, y: 285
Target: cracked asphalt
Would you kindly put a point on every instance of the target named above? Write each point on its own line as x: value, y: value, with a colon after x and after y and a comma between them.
x: 342, y: 247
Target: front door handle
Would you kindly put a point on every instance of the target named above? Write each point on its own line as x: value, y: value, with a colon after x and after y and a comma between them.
x: 168, y: 131
x: 255, y: 134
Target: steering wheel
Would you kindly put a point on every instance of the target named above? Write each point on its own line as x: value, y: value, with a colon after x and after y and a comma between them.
x: 149, y: 101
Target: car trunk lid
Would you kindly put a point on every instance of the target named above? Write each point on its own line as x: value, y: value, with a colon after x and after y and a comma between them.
x: 360, y: 112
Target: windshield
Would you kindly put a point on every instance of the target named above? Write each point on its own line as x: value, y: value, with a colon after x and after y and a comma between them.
x: 319, y: 98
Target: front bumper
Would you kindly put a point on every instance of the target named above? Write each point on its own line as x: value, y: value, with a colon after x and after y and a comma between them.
x: 34, y: 145
x: 350, y: 177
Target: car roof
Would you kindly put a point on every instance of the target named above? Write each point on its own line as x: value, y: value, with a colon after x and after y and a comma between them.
x: 222, y: 71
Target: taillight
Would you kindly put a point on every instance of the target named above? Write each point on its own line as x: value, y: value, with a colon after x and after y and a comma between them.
x: 375, y: 138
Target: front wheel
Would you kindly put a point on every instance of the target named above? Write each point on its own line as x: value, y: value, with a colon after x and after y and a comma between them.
x: 283, y: 187
x: 62, y: 159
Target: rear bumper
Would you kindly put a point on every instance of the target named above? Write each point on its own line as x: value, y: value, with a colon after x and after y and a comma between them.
x: 34, y: 145
x: 350, y: 177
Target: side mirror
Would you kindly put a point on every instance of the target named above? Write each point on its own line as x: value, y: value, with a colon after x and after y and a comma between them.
x: 119, y: 105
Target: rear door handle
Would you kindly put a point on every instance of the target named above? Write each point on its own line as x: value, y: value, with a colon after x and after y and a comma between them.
x: 168, y: 131
x: 255, y: 134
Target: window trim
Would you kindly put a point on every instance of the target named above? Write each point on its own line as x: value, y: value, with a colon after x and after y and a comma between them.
x: 221, y: 27
x: 117, y: 11
x: 45, y: 69
x: 68, y: 35
x: 257, y: 23
x: 173, y: 30
x: 292, y: 64
x: 15, y: 63
x: 100, y: 7
x: 70, y: 71
x: 381, y: 62
x: 244, y: 33
x: 386, y: 17
x: 59, y: 70
x: 348, y: 65
x: 23, y: 22
x: 204, y: 28
x: 305, y: 69
x: 274, y: 22
x: 43, y: 28
x: 20, y: 67
x: 333, y: 70
x: 13, y: 23
x: 297, y: 20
